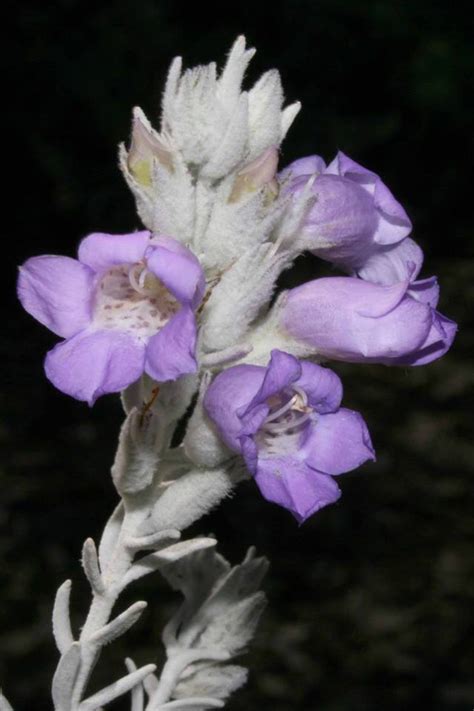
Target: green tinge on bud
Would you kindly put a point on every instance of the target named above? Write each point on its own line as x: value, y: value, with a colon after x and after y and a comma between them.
x: 256, y: 175
x: 145, y: 148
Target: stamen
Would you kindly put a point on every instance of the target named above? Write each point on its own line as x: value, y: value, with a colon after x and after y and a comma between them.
x: 282, y: 410
x: 304, y: 398
x: 294, y: 413
x: 141, y: 278
x: 290, y: 424
x: 138, y: 283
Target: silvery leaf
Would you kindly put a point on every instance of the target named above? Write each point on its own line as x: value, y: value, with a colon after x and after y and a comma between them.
x: 65, y: 677
x: 118, y: 688
x: 61, y: 620
x: 215, y: 680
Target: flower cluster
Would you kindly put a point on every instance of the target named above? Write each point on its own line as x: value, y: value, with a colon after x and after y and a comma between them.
x: 199, y: 301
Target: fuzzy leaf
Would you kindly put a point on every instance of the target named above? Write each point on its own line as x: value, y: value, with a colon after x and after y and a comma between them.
x: 230, y: 81
x: 61, y: 619
x: 136, y: 460
x: 288, y: 115
x: 4, y: 705
x: 227, y: 319
x: 232, y: 147
x: 196, y: 575
x: 118, y: 688
x: 265, y: 101
x: 222, y: 611
x: 215, y: 680
x: 190, y: 497
x: 168, y: 556
x: 240, y: 582
x: 64, y: 678
x: 119, y: 625
x: 195, y: 704
x: 90, y: 564
x: 184, y: 548
x: 138, y: 696
x: 234, y: 627
x: 150, y: 684
x: 155, y: 541
x: 110, y: 535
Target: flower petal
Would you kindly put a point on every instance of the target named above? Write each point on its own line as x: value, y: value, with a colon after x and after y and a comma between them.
x: 338, y: 443
x: 322, y: 386
x: 231, y: 391
x: 342, y: 221
x: 93, y: 363
x: 426, y: 291
x: 389, y: 264
x: 178, y: 269
x: 309, y: 165
x: 437, y: 343
x: 375, y: 302
x: 171, y: 352
x: 394, y: 223
x: 295, y: 486
x: 281, y: 372
x: 58, y: 292
x: 101, y: 251
x: 349, y: 319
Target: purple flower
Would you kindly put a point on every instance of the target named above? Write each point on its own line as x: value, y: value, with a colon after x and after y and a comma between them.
x: 354, y: 320
x: 391, y: 263
x: 124, y: 307
x: 286, y: 421
x: 355, y: 218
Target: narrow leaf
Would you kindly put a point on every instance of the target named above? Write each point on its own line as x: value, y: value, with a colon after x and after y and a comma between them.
x: 153, y: 540
x: 138, y: 696
x: 153, y: 561
x: 151, y: 684
x: 64, y: 678
x: 183, y: 548
x: 91, y: 566
x: 288, y: 115
x: 4, y: 705
x: 190, y: 497
x: 61, y: 620
x: 198, y: 703
x: 119, y: 625
x: 118, y: 688
x: 110, y: 535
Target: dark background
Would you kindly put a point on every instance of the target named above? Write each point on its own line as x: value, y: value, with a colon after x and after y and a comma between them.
x: 371, y: 600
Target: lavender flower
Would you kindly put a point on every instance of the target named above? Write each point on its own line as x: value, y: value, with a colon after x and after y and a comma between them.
x: 355, y: 222
x: 354, y: 320
x: 286, y: 421
x: 125, y: 307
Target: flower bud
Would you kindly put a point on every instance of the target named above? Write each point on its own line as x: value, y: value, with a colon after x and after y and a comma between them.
x: 146, y: 146
x: 353, y: 320
x: 257, y: 174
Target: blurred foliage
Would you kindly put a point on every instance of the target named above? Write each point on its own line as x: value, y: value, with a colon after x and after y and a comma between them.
x: 370, y: 601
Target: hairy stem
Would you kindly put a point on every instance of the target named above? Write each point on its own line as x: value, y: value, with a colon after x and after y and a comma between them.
x: 102, y: 603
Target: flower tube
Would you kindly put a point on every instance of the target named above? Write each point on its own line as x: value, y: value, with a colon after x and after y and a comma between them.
x: 349, y: 319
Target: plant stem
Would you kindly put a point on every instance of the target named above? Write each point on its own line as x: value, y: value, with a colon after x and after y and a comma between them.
x: 102, y: 604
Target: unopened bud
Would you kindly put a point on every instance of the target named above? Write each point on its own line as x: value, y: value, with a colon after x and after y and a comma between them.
x: 256, y: 175
x: 146, y: 147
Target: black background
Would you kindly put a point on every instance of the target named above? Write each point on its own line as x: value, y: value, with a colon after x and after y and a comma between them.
x: 371, y: 600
